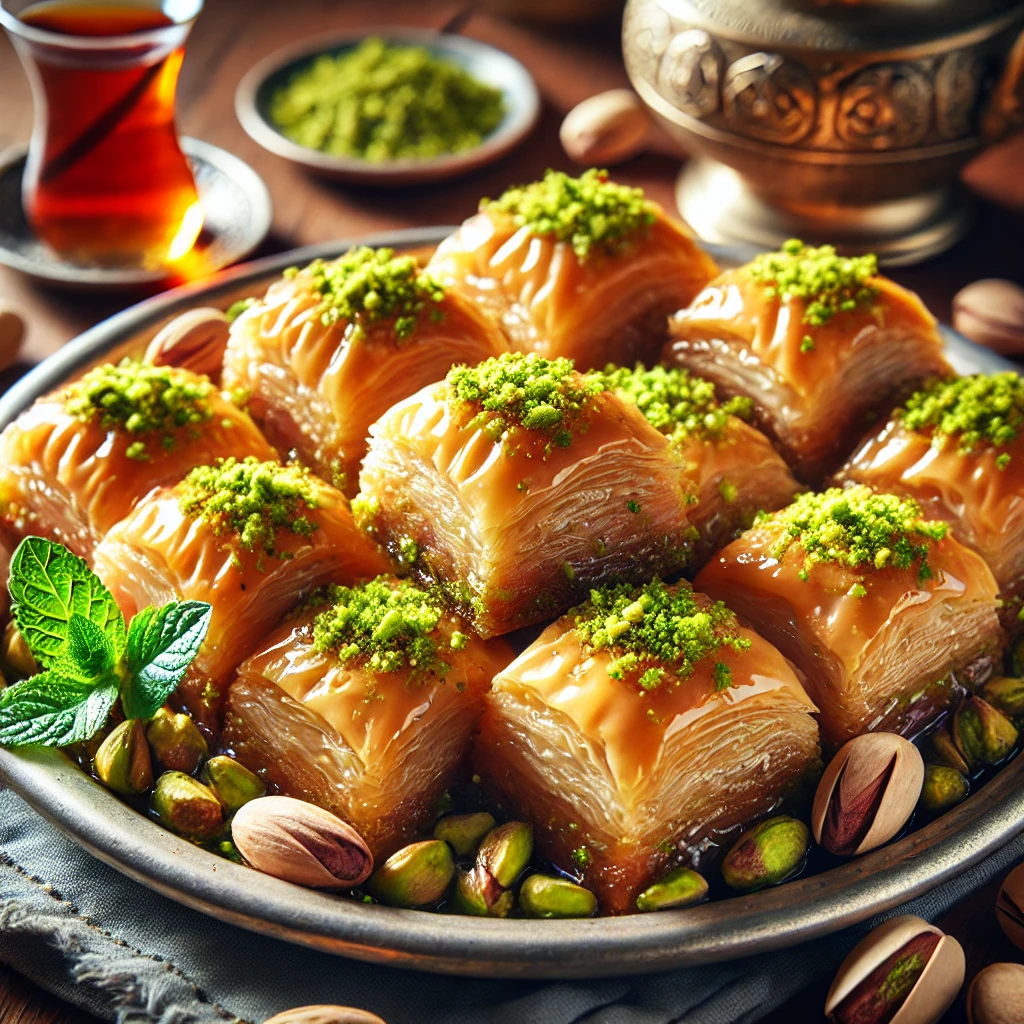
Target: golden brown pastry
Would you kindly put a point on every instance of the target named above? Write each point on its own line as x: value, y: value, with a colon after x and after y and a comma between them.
x: 576, y: 267
x: 818, y: 342
x: 364, y: 704
x: 80, y: 459
x: 331, y: 347
x: 887, y: 615
x: 254, y: 539
x: 519, y: 484
x: 637, y: 728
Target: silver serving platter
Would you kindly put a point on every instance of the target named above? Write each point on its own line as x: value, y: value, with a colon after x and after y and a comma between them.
x: 726, y: 929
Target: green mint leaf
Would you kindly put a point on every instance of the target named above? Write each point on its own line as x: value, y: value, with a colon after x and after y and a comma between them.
x: 161, y: 646
x: 48, y: 585
x: 89, y: 649
x: 52, y: 711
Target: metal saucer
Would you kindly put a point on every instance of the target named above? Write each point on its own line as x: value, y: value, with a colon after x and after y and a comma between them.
x: 236, y: 207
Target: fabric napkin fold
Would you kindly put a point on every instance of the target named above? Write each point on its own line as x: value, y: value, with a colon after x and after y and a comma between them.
x: 110, y: 946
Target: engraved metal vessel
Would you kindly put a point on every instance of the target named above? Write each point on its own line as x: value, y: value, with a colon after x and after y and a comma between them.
x: 831, y: 120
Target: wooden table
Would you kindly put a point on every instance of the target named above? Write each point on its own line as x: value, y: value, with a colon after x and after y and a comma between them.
x: 568, y: 64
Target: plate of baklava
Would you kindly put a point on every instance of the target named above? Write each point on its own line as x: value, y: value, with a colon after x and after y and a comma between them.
x: 636, y: 602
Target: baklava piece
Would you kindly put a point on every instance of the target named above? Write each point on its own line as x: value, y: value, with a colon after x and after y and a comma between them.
x: 364, y: 704
x: 331, y: 347
x: 886, y: 614
x: 732, y: 467
x: 821, y: 343
x: 956, y: 448
x: 639, y: 727
x: 254, y: 539
x: 519, y: 484
x: 577, y: 267
x: 80, y: 459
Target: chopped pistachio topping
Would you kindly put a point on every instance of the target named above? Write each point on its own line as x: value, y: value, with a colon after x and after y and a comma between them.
x: 970, y: 411
x: 856, y: 528
x: 674, y: 401
x: 367, y: 286
x: 826, y: 282
x: 253, y: 500
x: 380, y: 102
x: 387, y: 625
x: 517, y: 390
x: 588, y: 212
x: 657, y: 629
x: 136, y: 398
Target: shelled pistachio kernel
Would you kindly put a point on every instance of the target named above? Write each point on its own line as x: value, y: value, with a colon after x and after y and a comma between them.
x: 1010, y: 906
x: 944, y: 787
x: 415, y: 876
x: 1005, y: 694
x: 176, y: 741
x: 767, y: 854
x: 464, y: 832
x: 186, y: 806
x: 983, y: 735
x: 478, y: 894
x: 506, y: 850
x: 679, y: 888
x: 548, y: 897
x: 904, y: 966
x: 232, y: 783
x: 942, y: 750
x: 122, y: 760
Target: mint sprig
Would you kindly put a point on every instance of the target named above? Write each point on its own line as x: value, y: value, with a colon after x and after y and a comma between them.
x: 74, y: 628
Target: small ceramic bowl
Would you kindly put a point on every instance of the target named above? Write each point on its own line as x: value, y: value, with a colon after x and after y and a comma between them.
x: 522, y: 107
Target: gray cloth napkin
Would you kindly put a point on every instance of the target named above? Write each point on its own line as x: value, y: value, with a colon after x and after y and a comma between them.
x: 110, y: 946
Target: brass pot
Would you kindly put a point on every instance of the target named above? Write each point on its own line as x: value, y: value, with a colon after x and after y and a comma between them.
x: 829, y: 120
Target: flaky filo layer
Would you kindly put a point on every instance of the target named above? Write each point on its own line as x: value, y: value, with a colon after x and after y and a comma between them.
x: 611, y: 307
x: 517, y: 530
x: 315, y: 388
x: 640, y: 781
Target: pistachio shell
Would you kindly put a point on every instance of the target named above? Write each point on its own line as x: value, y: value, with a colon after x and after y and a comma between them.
x: 605, y: 129
x: 679, y: 888
x: 983, y: 735
x: 922, y: 1001
x: 548, y: 897
x: 12, y: 333
x: 194, y: 341
x: 867, y: 794
x: 1010, y: 906
x: 325, y: 1015
x: 415, y: 876
x: 991, y: 312
x: 996, y: 995
x: 944, y: 787
x: 464, y: 832
x: 301, y: 843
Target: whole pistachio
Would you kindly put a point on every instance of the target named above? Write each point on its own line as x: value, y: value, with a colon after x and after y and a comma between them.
x: 983, y: 735
x: 546, y: 896
x: 1005, y: 694
x: 506, y: 850
x: 415, y: 876
x: 867, y: 793
x: 942, y: 750
x: 122, y: 760
x: 904, y: 967
x: 766, y: 854
x: 478, y: 894
x: 176, y: 742
x: 232, y: 783
x: 16, y: 655
x: 944, y: 787
x: 301, y: 843
x: 991, y: 312
x: 605, y: 129
x: 996, y: 995
x: 325, y: 1015
x: 463, y: 832
x: 186, y: 806
x: 1010, y: 906
x: 195, y: 340
x: 679, y: 888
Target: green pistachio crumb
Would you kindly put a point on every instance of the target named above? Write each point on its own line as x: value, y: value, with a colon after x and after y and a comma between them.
x: 408, y: 551
x: 971, y: 411
x: 581, y: 857
x: 722, y: 676
x: 633, y: 506
x: 380, y: 102
x: 826, y: 282
x: 138, y: 399
x: 516, y: 390
x: 855, y: 528
x: 589, y: 212
x: 236, y: 309
x: 674, y: 401
x: 655, y: 629
x: 858, y: 590
x: 387, y: 625
x: 252, y: 500
x: 727, y: 491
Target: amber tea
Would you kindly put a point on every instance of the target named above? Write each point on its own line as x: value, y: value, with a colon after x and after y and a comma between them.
x: 106, y: 181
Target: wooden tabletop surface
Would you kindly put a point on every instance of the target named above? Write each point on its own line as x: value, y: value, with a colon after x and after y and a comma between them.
x: 569, y: 63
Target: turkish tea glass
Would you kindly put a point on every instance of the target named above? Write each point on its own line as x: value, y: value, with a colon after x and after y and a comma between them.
x: 106, y: 182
